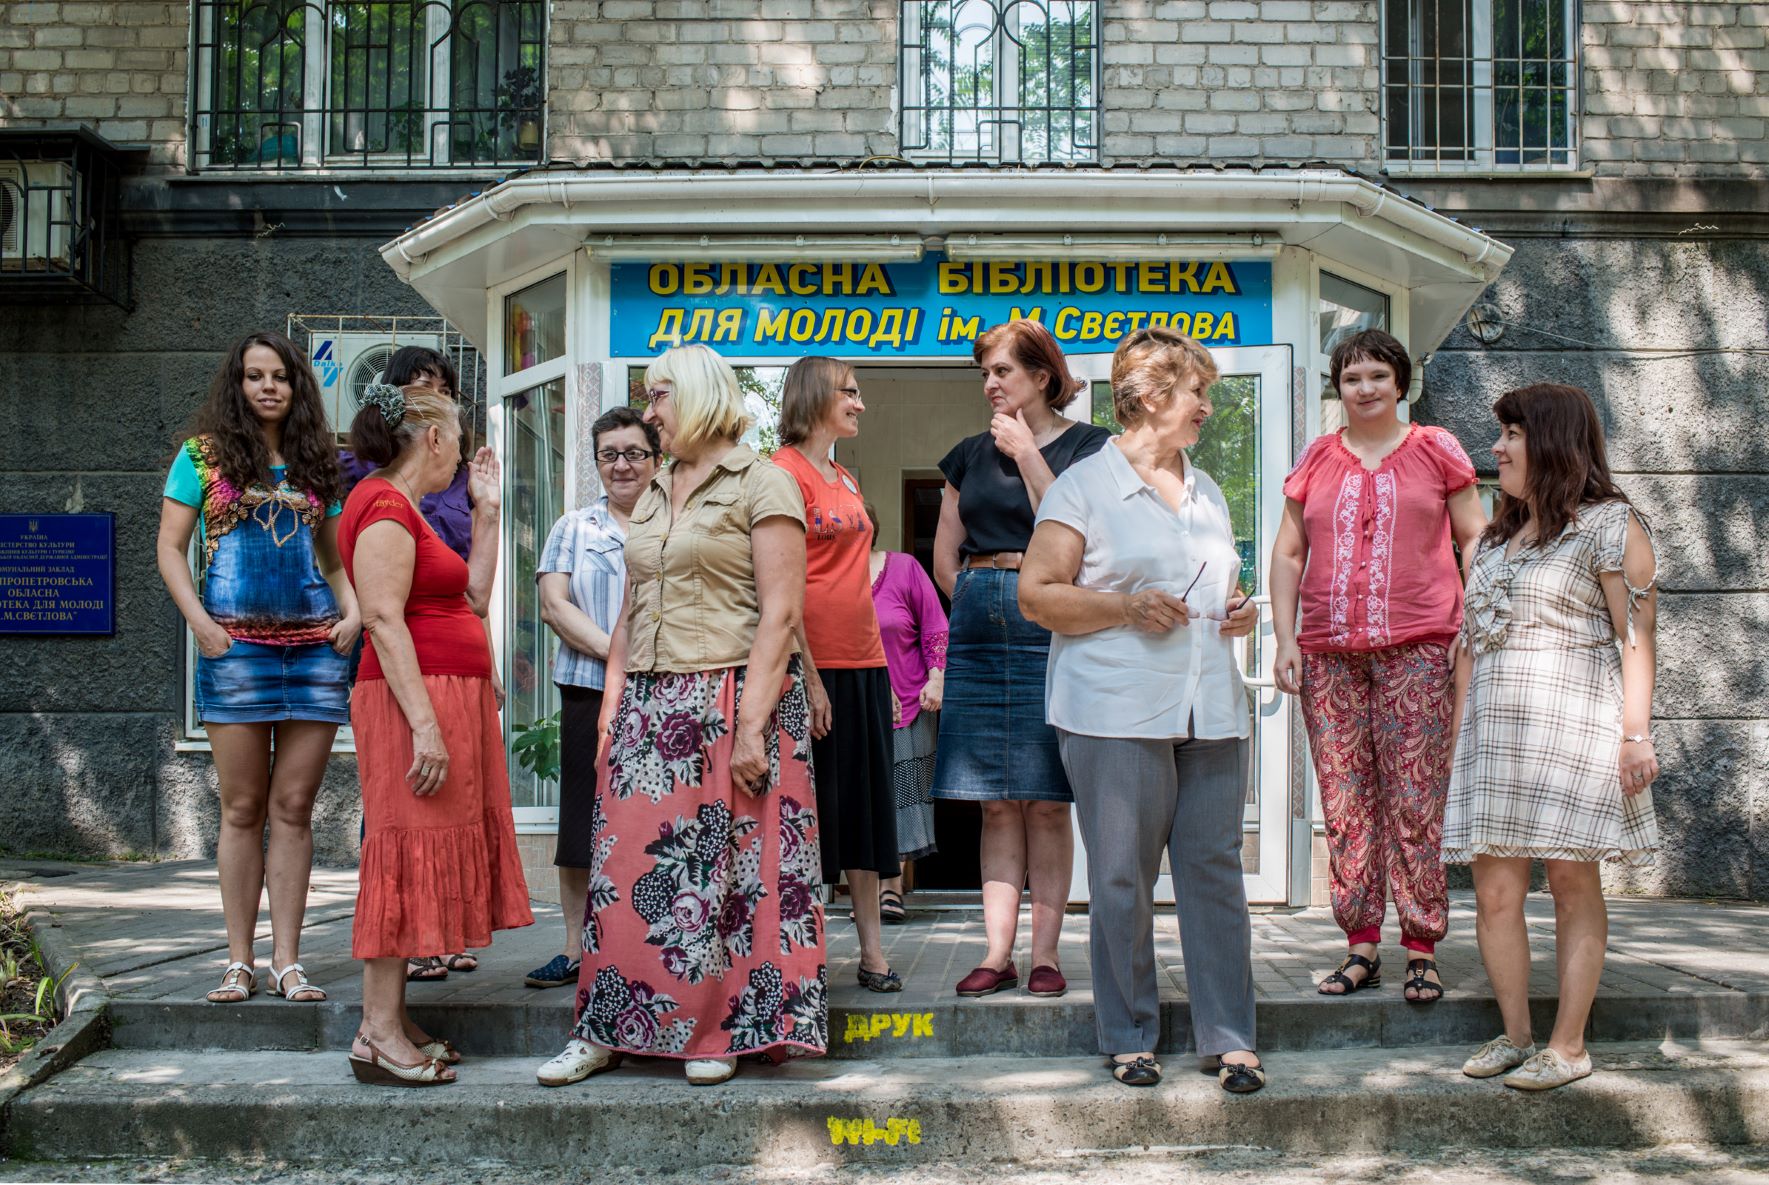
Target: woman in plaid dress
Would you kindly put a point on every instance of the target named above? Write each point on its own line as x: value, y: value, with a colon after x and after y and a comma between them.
x: 1554, y: 760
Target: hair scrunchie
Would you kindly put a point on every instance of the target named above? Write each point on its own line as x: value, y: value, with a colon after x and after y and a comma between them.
x: 390, y: 400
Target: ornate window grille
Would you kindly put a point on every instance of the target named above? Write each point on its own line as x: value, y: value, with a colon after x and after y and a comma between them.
x: 59, y: 238
x: 387, y: 85
x: 1480, y: 85
x: 1000, y: 81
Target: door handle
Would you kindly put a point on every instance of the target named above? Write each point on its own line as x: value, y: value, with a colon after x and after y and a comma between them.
x: 1255, y: 642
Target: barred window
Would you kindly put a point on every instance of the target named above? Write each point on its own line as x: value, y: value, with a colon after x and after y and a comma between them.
x: 1481, y: 85
x: 368, y: 84
x: 1002, y: 81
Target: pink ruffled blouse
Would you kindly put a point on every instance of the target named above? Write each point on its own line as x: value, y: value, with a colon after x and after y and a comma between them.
x: 1381, y: 570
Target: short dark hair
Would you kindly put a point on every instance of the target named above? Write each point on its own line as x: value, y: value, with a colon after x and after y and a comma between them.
x: 617, y: 418
x: 408, y: 362
x: 1373, y: 345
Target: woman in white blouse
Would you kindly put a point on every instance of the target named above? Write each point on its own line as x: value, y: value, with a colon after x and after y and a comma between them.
x: 1133, y: 569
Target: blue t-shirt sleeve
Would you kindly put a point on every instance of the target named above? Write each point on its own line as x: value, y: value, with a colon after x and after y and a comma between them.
x: 182, y: 483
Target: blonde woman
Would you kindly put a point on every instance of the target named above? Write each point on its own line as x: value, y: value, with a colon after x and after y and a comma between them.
x: 703, y: 937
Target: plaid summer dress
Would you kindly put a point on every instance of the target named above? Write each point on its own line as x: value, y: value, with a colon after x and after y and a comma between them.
x: 1537, y: 759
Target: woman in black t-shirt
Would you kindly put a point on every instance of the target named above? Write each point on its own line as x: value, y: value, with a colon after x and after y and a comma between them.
x: 995, y: 747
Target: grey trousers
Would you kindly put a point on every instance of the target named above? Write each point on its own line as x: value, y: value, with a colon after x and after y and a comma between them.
x: 1133, y: 798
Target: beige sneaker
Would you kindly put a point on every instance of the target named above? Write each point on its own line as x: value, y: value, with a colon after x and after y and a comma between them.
x: 1548, y: 1069
x: 1495, y: 1057
x: 710, y: 1071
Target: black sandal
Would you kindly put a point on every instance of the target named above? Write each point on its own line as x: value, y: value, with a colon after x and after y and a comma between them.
x: 1416, y: 981
x: 1240, y: 1078
x: 1372, y: 976
x: 1141, y: 1070
x: 890, y: 907
x: 880, y: 981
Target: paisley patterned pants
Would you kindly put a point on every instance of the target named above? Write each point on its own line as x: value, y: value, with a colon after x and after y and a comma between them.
x: 1379, y: 728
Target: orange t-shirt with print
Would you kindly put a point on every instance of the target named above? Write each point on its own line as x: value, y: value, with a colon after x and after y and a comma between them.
x: 841, y: 626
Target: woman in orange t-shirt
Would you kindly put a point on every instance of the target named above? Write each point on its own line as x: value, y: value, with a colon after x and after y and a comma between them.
x: 847, y: 682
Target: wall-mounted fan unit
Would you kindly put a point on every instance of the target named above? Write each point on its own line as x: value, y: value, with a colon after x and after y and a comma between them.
x: 36, y: 213
x: 346, y: 363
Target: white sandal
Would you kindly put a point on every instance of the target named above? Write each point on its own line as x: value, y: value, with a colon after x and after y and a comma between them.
x: 301, y: 985
x: 232, y: 990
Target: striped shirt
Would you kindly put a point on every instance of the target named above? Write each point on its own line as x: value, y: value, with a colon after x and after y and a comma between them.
x: 587, y: 545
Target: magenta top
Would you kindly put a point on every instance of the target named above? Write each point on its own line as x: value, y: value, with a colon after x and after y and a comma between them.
x: 1381, y: 571
x: 912, y: 626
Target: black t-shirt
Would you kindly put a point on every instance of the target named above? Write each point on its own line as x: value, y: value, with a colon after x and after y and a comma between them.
x: 992, y: 500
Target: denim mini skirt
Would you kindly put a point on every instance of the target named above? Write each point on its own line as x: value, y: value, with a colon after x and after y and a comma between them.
x: 994, y: 743
x: 252, y: 683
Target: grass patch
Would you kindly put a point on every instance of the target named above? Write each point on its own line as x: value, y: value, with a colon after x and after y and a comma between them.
x: 28, y: 1007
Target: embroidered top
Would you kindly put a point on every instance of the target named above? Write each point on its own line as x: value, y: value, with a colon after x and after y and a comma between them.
x: 587, y: 545
x: 913, y: 628
x: 1380, y: 571
x: 841, y: 627
x: 260, y: 581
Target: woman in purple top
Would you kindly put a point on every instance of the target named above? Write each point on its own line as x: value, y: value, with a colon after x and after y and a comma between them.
x: 913, y: 628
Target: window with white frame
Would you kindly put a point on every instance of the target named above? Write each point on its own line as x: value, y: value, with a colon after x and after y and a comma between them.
x: 368, y: 84
x: 1002, y: 81
x: 1480, y: 85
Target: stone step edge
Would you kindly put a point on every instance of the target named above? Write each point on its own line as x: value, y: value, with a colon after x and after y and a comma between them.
x: 815, y: 1112
x: 951, y: 1028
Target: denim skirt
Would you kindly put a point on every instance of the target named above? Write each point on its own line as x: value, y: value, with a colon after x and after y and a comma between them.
x: 253, y: 683
x: 994, y: 742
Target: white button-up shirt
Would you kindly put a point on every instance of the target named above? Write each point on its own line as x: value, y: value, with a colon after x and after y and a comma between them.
x: 1123, y: 682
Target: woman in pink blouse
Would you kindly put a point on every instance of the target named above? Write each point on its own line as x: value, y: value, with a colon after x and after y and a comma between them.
x: 914, y: 630
x: 1369, y: 514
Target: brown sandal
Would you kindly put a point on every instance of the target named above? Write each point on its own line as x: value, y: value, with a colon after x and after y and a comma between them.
x: 239, y: 983
x: 380, y: 1070
x: 424, y: 970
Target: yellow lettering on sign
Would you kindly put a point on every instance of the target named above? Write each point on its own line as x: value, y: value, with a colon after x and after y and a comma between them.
x: 669, y: 330
x: 768, y: 280
x: 663, y: 279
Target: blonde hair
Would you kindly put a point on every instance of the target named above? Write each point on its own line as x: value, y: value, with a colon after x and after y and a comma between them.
x: 1150, y: 365
x: 703, y: 387
x: 807, y: 395
x: 379, y: 443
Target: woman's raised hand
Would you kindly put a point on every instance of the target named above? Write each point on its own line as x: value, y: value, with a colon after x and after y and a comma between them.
x: 429, y: 760
x: 1013, y: 436
x: 484, y: 481
x: 1154, y: 611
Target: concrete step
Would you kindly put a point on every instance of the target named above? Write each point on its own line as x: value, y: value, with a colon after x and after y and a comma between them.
x: 870, y: 1026
x: 295, y: 1106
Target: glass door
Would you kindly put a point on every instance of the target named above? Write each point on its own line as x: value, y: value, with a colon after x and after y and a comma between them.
x: 1246, y: 448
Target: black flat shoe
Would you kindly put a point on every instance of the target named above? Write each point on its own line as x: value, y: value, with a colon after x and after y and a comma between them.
x: 1372, y: 976
x: 1138, y: 1071
x: 1240, y: 1078
x: 880, y: 981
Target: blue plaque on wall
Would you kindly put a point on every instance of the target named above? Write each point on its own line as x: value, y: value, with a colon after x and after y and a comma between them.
x: 58, y: 574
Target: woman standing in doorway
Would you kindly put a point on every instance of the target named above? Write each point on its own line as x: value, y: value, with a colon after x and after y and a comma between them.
x: 995, y: 747
x: 1554, y: 756
x: 274, y: 625
x: 846, y: 681
x: 1369, y: 515
x: 913, y: 628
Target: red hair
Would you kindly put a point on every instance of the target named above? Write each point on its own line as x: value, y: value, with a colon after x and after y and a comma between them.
x: 1031, y: 345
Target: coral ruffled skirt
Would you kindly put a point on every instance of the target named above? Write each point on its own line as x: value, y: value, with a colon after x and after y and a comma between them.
x: 438, y: 873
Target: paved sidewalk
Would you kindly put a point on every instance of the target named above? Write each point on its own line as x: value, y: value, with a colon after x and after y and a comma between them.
x: 153, y: 932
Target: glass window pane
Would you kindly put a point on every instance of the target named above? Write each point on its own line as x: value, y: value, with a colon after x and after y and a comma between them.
x: 1103, y: 413
x: 534, y: 325
x: 1346, y: 308
x: 534, y: 497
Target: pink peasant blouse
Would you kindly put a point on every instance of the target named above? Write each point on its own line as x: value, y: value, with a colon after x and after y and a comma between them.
x: 1381, y: 571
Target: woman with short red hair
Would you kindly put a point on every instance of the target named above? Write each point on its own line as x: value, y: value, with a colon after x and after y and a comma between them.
x: 995, y: 747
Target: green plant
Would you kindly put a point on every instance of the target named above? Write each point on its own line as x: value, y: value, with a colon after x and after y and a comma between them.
x: 536, y: 746
x: 519, y: 95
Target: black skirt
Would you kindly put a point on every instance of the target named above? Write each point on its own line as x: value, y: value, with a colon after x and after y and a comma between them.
x: 856, y: 798
x: 579, y: 708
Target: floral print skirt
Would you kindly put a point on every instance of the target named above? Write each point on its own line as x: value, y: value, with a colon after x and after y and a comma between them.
x: 703, y: 933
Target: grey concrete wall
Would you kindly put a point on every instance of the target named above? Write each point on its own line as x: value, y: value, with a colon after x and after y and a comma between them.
x: 1662, y: 332
x: 92, y: 401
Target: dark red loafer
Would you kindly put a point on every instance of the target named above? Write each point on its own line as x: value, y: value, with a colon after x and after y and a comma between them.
x: 1046, y: 981
x: 983, y: 981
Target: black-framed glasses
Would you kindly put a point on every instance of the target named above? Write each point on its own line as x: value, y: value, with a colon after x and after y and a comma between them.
x: 632, y: 456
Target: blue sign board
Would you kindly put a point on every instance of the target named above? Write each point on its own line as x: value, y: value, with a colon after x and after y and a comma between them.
x: 58, y: 574
x: 933, y: 308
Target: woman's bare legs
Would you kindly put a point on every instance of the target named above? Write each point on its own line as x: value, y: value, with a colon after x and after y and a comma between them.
x: 302, y: 749
x: 384, y: 1021
x: 863, y: 893
x: 1500, y: 886
x: 1581, y: 932
x: 242, y: 768
x: 1050, y: 848
x: 1004, y: 874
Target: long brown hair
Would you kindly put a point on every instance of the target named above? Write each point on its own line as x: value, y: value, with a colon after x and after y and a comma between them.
x: 1568, y: 467
x: 309, y: 452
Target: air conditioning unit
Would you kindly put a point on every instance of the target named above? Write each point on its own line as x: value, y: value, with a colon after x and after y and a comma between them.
x: 346, y: 363
x: 36, y: 215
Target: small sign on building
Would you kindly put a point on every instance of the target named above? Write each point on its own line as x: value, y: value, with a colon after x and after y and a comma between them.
x: 58, y: 573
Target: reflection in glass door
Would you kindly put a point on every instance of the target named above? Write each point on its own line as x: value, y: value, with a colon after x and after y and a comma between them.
x: 1245, y: 447
x: 534, y: 497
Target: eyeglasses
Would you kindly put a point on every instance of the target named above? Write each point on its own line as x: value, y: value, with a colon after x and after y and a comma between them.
x: 656, y: 395
x: 632, y: 456
x: 850, y: 391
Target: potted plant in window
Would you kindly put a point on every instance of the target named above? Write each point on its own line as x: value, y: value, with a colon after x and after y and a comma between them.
x: 519, y: 106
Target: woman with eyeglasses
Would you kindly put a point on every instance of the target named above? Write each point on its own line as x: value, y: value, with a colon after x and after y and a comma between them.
x: 582, y: 574
x: 1133, y: 569
x: 846, y: 680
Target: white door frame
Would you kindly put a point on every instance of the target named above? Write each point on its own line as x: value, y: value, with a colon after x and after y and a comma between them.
x: 1271, y: 737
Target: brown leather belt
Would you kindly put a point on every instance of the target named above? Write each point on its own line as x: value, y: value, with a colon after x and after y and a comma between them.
x: 1006, y: 561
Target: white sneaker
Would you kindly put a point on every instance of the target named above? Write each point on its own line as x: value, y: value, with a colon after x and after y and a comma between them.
x: 1495, y: 1057
x: 710, y: 1071
x: 576, y: 1062
x: 1548, y: 1069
